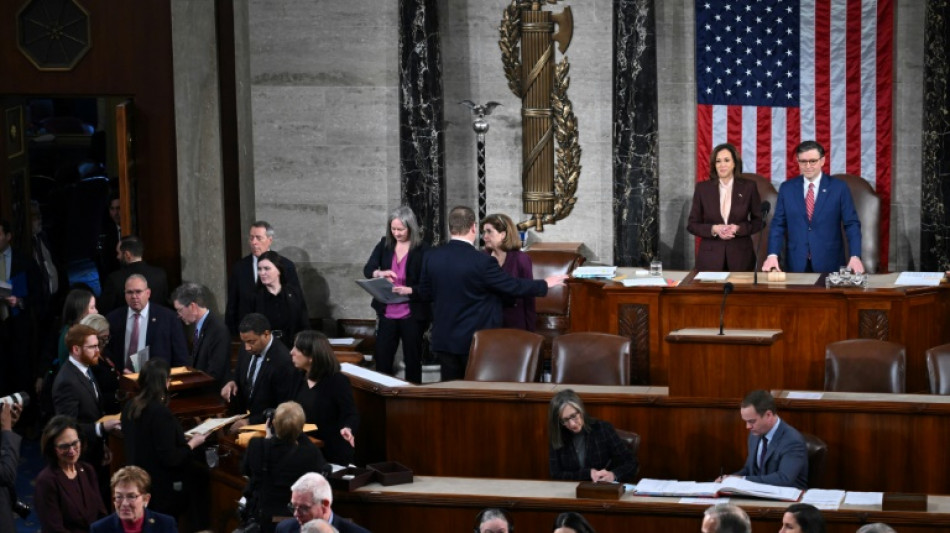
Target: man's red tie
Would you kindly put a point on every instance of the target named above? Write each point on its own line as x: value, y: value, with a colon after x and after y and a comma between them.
x: 810, y: 201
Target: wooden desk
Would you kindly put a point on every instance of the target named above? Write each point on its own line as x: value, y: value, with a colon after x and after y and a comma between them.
x: 453, y: 503
x: 811, y: 317
x: 498, y: 430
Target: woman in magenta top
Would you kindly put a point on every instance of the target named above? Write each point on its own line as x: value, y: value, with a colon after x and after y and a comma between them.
x: 504, y: 244
x: 398, y: 258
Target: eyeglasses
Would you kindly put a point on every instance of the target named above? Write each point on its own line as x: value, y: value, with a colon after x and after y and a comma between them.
x: 93, y: 347
x: 809, y: 162
x: 66, y: 446
x: 299, y: 508
x: 573, y: 418
x: 119, y: 498
x: 103, y: 342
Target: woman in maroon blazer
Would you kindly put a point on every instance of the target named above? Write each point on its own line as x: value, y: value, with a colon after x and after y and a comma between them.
x: 504, y: 244
x: 726, y: 212
x: 67, y: 494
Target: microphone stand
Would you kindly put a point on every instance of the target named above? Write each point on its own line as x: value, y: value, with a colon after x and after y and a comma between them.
x: 726, y: 289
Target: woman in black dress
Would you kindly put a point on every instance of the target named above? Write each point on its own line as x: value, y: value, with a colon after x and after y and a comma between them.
x: 326, y: 396
x: 282, y: 303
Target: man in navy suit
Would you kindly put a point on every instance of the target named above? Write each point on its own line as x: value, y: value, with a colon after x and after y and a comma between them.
x: 810, y: 211
x: 777, y: 453
x: 466, y: 288
x: 311, y: 498
x: 242, y: 285
x: 211, y: 342
x: 139, y: 324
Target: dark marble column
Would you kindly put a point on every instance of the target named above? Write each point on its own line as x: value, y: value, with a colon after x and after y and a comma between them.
x: 935, y: 177
x: 421, y: 130
x: 636, y: 185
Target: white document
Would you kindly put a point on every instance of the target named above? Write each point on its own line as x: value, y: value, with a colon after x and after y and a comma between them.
x: 212, y: 424
x: 138, y: 359
x: 737, y: 485
x: 864, y: 498
x: 375, y: 377
x: 645, y: 282
x: 594, y: 272
x: 342, y: 341
x: 824, y: 499
x: 703, y: 501
x: 712, y: 276
x: 926, y: 279
x: 804, y: 395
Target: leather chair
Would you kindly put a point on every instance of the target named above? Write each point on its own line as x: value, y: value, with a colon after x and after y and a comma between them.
x: 504, y: 355
x: 868, y: 205
x: 817, y: 451
x: 865, y: 365
x: 767, y: 193
x: 938, y: 369
x: 553, y: 309
x: 591, y: 359
x: 632, y: 440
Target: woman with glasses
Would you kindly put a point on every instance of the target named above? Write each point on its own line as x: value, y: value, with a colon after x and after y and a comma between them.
x: 67, y: 494
x: 130, y: 495
x: 583, y: 448
x: 154, y: 440
x: 726, y: 212
x: 503, y: 243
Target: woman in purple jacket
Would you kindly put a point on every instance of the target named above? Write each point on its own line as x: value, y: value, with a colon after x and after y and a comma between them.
x: 504, y: 244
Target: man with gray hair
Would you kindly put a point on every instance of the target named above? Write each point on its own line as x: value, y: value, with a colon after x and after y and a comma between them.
x: 139, y: 325
x: 311, y: 498
x: 725, y: 518
x: 318, y: 526
x: 877, y: 527
x: 242, y: 285
x: 210, y: 340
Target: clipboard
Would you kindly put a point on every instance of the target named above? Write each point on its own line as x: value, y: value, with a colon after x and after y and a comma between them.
x: 381, y: 289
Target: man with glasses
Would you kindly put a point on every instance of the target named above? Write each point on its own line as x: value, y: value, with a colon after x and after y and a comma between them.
x: 809, y: 213
x: 311, y: 498
x: 139, y: 325
x: 211, y: 341
x: 76, y: 393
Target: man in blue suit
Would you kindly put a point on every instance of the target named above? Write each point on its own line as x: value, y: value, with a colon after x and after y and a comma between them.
x: 140, y: 324
x: 466, y: 288
x: 777, y: 453
x: 809, y: 212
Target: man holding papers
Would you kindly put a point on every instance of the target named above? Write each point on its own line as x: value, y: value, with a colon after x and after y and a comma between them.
x: 777, y: 454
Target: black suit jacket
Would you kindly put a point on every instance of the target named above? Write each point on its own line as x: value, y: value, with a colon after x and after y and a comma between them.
x: 154, y: 523
x: 74, y: 395
x: 164, y: 336
x: 736, y: 255
x: 466, y: 288
x: 274, y: 382
x: 382, y: 259
x: 341, y: 524
x: 211, y: 354
x: 113, y: 290
x: 286, y: 462
x: 242, y: 289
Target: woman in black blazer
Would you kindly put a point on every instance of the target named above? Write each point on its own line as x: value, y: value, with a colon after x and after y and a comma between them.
x: 281, y: 302
x: 154, y: 440
x: 274, y: 463
x: 398, y: 258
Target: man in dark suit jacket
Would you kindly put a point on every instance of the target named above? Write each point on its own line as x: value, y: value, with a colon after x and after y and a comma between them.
x: 311, y: 498
x: 242, y: 285
x: 466, y: 288
x: 814, y: 241
x: 75, y: 394
x: 22, y: 273
x: 264, y: 372
x: 158, y: 328
x: 129, y: 252
x: 777, y: 453
x: 211, y: 342
x: 9, y: 461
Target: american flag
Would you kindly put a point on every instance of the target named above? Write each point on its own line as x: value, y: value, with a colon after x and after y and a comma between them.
x: 772, y: 73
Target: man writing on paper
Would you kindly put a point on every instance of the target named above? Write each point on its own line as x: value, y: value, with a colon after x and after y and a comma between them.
x: 809, y: 212
x: 777, y: 454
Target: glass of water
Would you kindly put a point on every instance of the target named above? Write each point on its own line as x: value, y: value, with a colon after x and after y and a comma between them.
x: 656, y: 268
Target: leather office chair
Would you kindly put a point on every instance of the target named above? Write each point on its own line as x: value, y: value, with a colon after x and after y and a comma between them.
x: 504, y: 355
x: 868, y: 205
x: 938, y: 369
x: 553, y: 309
x: 767, y: 193
x: 817, y: 451
x: 632, y: 440
x: 591, y: 359
x: 865, y: 365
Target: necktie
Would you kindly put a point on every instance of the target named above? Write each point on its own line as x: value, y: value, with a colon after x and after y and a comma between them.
x: 133, y: 342
x: 93, y: 381
x: 255, y: 367
x: 762, y: 452
x: 810, y: 201
x: 194, y: 342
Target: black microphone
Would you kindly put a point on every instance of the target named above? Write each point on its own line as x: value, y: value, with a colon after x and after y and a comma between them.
x: 766, y: 207
x: 726, y: 289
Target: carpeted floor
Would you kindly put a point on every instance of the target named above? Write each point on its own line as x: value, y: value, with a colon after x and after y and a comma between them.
x: 31, y: 462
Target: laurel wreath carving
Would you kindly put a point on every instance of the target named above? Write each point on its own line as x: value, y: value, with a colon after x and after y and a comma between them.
x: 510, y: 44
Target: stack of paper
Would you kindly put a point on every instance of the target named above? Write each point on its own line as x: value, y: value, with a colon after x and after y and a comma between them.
x: 731, y: 486
x: 585, y: 272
